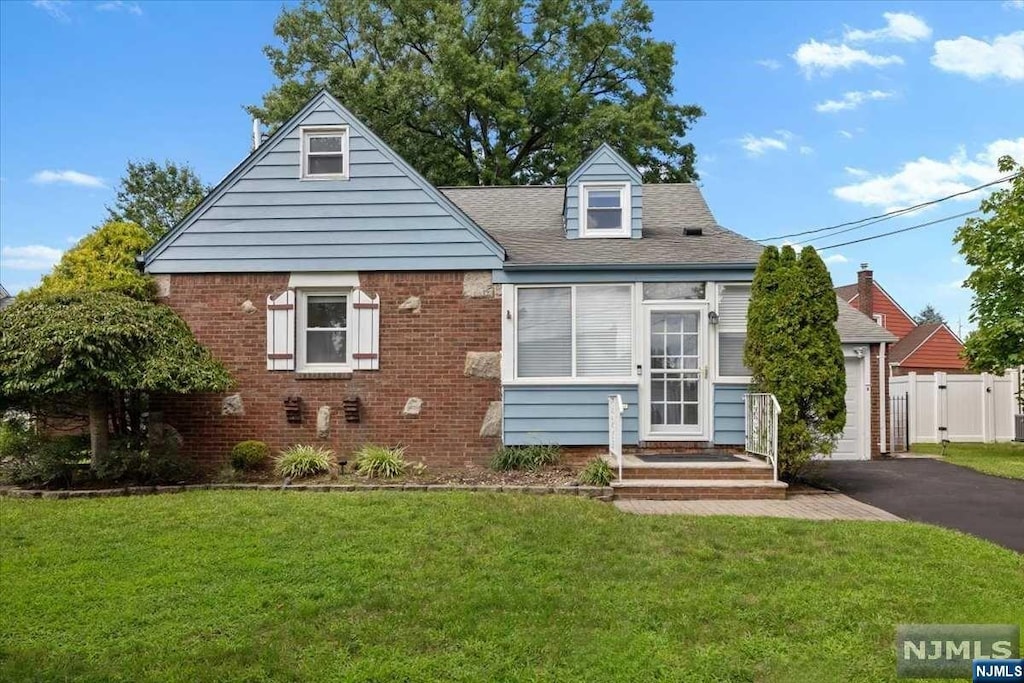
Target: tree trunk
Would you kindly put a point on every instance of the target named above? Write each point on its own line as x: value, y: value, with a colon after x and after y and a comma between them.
x: 99, y: 438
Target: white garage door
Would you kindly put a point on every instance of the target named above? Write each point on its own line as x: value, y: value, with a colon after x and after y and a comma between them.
x: 852, y: 444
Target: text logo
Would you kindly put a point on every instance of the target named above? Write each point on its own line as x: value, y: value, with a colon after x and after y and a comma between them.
x: 998, y: 671
x: 949, y: 650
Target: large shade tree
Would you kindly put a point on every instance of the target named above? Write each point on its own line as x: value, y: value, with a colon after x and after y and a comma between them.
x: 490, y: 91
x: 156, y: 196
x: 993, y: 247
x: 794, y: 352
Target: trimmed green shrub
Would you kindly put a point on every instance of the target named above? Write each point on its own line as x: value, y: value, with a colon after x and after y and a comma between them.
x: 143, y: 462
x: 530, y: 458
x: 596, y: 473
x: 31, y: 459
x: 248, y: 455
x: 303, y: 461
x: 380, y: 461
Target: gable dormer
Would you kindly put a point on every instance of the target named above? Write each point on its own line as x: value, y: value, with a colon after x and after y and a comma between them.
x: 604, y: 198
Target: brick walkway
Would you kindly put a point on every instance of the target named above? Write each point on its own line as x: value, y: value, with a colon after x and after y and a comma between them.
x: 816, y: 506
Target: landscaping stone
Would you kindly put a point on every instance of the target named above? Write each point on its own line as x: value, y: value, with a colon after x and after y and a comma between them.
x: 415, y: 487
x: 232, y: 405
x: 411, y: 304
x: 478, y: 284
x: 323, y: 421
x: 248, y: 307
x: 163, y: 286
x: 413, y: 406
x: 492, y: 420
x: 485, y: 364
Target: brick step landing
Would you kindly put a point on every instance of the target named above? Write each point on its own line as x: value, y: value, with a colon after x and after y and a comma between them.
x: 699, y: 489
x: 698, y: 470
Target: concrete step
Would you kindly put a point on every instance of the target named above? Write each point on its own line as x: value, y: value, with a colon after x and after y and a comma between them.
x: 698, y: 471
x: 699, y: 489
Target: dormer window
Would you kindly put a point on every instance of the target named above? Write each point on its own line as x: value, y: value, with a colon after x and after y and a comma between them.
x: 325, y: 153
x: 605, y: 209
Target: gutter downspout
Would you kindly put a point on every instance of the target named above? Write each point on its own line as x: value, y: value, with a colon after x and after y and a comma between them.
x: 883, y: 390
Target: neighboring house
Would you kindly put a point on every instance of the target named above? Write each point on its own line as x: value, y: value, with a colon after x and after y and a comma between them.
x: 924, y: 349
x: 341, y: 289
x: 5, y: 298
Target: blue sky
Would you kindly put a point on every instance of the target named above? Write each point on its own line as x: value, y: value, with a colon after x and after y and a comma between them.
x: 817, y: 114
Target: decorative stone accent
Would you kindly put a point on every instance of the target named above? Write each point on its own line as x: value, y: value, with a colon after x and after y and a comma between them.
x: 163, y: 286
x: 478, y: 284
x: 413, y: 406
x: 248, y: 307
x: 232, y: 405
x: 492, y: 420
x: 411, y: 304
x: 486, y: 364
x: 323, y: 421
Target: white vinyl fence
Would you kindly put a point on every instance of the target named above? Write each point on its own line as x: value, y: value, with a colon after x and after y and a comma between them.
x: 958, y: 407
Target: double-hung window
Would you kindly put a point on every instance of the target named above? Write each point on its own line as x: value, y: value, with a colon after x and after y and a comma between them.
x: 732, y: 331
x: 323, y: 331
x: 605, y: 210
x: 325, y: 153
x: 576, y: 331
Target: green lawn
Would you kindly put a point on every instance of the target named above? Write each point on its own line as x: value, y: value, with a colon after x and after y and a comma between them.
x: 269, y: 586
x: 1000, y: 459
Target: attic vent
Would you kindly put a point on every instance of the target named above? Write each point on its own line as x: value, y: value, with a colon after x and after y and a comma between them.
x: 693, y: 232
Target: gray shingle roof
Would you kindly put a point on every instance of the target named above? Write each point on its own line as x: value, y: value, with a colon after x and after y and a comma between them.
x: 855, y: 327
x: 527, y: 221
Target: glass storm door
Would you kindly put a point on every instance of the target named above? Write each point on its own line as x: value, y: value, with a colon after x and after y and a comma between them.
x: 675, y: 374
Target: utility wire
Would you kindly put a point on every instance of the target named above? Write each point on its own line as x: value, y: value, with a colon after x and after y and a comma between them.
x: 896, y: 232
x: 891, y: 214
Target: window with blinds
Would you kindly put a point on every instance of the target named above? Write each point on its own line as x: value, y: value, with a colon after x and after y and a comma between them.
x: 574, y: 331
x: 732, y: 330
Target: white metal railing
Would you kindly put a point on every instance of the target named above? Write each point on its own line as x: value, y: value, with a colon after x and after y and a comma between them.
x: 761, y: 426
x: 615, y: 409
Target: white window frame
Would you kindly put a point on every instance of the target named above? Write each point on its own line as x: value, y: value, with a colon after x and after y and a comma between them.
x: 879, y: 318
x: 323, y: 131
x: 630, y: 378
x: 718, y: 376
x: 301, y: 365
x: 625, y: 229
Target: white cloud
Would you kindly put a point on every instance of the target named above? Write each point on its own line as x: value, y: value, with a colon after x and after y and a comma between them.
x: 1013, y: 4
x: 856, y: 172
x: 824, y: 58
x: 836, y: 258
x: 756, y: 146
x: 846, y: 134
x: 30, y: 257
x: 925, y: 179
x: 120, y: 6
x: 774, y: 64
x: 806, y: 150
x: 68, y: 177
x: 851, y: 100
x: 55, y: 8
x: 899, y: 26
x: 1002, y: 58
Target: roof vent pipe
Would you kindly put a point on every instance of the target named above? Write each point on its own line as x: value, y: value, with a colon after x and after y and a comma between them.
x: 257, y: 136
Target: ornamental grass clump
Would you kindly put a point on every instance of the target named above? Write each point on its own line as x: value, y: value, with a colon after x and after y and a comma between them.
x: 303, y: 461
x: 529, y: 458
x: 380, y: 461
x: 596, y: 473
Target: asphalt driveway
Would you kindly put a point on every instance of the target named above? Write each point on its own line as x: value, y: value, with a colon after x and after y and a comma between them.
x: 926, y: 490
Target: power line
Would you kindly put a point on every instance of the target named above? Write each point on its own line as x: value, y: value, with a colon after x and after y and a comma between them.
x: 891, y: 214
x: 896, y: 232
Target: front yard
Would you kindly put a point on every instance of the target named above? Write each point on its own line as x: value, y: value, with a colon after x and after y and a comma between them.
x: 230, y: 586
x: 1000, y: 459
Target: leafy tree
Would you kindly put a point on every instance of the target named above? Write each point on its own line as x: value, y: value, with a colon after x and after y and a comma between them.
x: 156, y: 196
x: 794, y: 352
x: 490, y: 91
x: 95, y: 348
x: 993, y: 247
x: 104, y: 261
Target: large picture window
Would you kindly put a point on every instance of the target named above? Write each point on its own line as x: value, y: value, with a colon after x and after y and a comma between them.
x: 576, y: 331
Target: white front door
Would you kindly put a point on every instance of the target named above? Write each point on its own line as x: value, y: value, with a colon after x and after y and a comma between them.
x: 675, y: 404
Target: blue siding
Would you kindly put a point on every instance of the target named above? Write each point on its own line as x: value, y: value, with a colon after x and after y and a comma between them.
x: 604, y: 166
x: 263, y: 218
x: 728, y: 411
x: 678, y: 273
x: 566, y: 415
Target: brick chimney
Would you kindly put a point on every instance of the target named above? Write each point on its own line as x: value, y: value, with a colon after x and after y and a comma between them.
x: 866, y: 291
